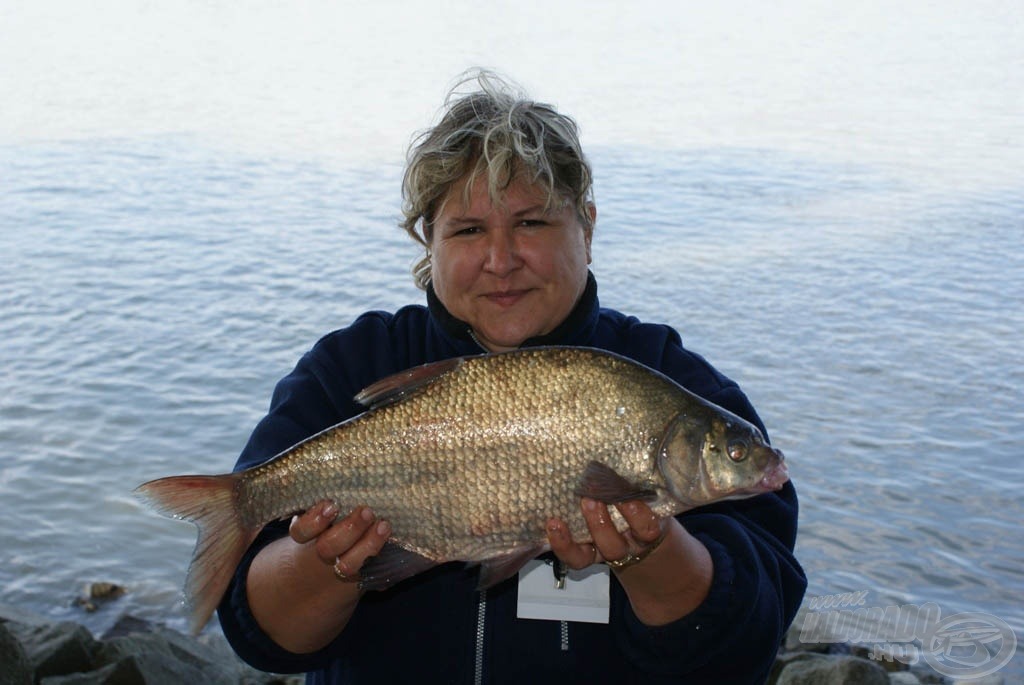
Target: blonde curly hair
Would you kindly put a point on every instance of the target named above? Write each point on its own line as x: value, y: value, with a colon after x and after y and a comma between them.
x: 497, y: 133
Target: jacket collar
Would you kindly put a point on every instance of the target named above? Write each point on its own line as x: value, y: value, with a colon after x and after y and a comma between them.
x: 577, y: 328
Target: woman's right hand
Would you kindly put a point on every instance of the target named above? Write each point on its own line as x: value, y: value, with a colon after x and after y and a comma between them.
x: 344, y: 544
x: 296, y: 585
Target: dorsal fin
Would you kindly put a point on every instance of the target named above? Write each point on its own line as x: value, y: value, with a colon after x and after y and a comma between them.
x: 395, y: 387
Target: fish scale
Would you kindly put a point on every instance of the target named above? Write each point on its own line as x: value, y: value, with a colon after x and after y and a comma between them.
x: 468, y: 459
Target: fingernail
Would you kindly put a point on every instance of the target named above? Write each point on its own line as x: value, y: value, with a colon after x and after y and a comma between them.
x: 383, y: 528
x: 329, y: 511
x: 367, y: 514
x: 589, y: 504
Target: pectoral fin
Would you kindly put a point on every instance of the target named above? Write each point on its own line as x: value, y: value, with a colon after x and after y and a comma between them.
x: 391, y: 565
x: 497, y: 569
x: 603, y: 483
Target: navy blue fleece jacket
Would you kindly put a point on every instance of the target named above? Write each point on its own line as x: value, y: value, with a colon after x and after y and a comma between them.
x: 425, y: 629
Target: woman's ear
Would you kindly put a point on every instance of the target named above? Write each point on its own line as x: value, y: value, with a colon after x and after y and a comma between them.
x: 588, y: 231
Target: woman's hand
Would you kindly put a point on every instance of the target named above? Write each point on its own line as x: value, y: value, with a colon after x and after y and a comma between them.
x: 645, y: 529
x: 673, y: 570
x: 344, y: 544
x: 298, y: 587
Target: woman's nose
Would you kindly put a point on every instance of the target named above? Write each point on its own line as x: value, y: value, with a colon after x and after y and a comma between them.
x: 502, y: 253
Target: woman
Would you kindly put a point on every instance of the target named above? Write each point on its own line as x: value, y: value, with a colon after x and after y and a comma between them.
x: 499, y: 195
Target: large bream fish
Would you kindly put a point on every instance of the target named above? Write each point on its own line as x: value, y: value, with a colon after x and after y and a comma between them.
x: 468, y: 458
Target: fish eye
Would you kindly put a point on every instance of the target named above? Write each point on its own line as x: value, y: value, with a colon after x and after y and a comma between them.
x: 737, y: 450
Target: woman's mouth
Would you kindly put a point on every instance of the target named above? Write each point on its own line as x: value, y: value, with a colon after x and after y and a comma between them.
x: 505, y: 298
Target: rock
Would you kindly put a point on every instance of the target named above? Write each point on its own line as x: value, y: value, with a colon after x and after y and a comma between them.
x: 247, y: 674
x: 87, y: 678
x: 792, y: 641
x: 903, y: 678
x: 889, y: 664
x: 991, y: 679
x: 56, y: 648
x: 926, y: 675
x: 784, y: 660
x: 164, y: 669
x: 96, y: 594
x: 34, y: 649
x: 15, y: 668
x: 105, y: 590
x: 833, y: 670
x: 161, y: 655
x: 147, y: 669
x: 126, y: 625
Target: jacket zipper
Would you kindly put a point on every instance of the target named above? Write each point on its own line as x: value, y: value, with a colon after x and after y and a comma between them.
x: 472, y: 335
x: 481, y: 607
x: 481, y: 615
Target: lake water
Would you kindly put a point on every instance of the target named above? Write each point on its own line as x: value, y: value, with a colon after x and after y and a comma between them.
x: 828, y: 203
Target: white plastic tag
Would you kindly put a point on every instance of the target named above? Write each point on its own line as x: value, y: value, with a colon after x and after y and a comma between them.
x: 584, y: 597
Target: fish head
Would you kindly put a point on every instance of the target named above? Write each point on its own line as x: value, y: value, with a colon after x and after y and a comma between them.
x: 711, y: 454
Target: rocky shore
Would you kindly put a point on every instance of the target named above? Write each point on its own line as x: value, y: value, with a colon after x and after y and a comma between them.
x: 812, y: 663
x: 34, y: 650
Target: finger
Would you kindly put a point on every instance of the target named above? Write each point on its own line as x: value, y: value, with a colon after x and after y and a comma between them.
x: 368, y: 545
x: 345, y: 532
x: 608, y: 541
x: 572, y: 554
x: 644, y: 525
x: 314, y: 521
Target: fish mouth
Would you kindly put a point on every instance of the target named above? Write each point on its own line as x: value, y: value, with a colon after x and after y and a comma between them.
x: 774, y: 478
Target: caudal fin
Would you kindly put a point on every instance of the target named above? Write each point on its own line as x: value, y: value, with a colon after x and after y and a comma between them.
x: 211, y: 503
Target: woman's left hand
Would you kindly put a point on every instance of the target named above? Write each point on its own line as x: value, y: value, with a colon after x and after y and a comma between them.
x: 672, y: 575
x: 645, y: 529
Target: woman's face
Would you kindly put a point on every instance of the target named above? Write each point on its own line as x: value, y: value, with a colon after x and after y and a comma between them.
x: 511, y: 271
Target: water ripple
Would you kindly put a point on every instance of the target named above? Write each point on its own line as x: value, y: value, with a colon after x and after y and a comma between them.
x: 163, y: 289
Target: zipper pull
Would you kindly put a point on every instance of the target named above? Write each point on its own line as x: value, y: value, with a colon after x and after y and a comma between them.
x: 561, y: 571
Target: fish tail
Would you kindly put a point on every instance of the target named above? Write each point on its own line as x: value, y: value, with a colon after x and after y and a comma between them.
x: 210, y: 502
